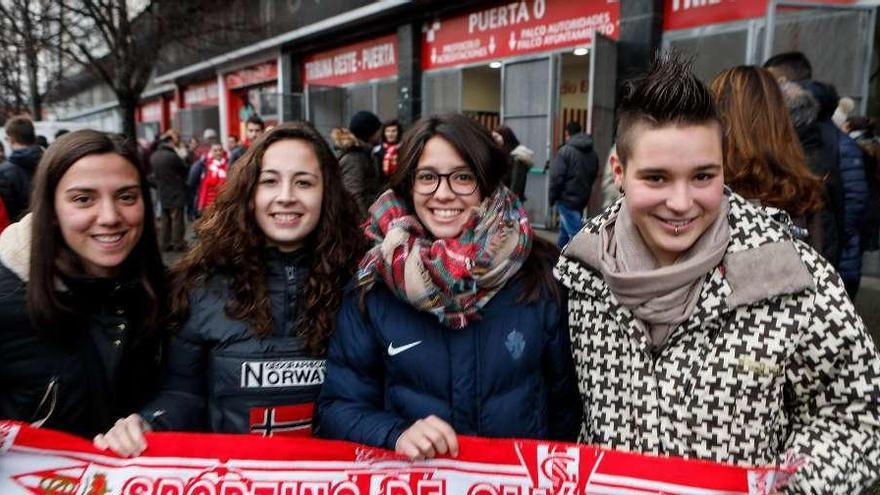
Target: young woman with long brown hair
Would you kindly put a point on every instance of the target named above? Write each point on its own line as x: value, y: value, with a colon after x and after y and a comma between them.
x: 458, y: 326
x: 81, y: 287
x: 256, y: 297
x: 763, y: 158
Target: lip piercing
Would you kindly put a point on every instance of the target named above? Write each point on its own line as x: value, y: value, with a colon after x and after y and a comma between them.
x: 676, y: 231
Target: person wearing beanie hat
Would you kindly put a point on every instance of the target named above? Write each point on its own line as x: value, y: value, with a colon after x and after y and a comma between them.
x: 360, y: 175
x: 365, y: 126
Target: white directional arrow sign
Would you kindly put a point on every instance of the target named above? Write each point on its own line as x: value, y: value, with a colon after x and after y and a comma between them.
x: 512, y: 42
x: 491, y: 44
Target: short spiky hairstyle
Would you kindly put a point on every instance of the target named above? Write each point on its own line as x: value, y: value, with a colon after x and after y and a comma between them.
x: 795, y: 66
x: 668, y: 94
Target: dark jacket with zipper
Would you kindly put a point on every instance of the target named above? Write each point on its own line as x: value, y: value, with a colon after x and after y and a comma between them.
x: 508, y: 375
x: 170, y: 176
x: 16, y: 174
x: 95, y: 371
x: 359, y: 174
x: 219, y: 377
x: 573, y: 171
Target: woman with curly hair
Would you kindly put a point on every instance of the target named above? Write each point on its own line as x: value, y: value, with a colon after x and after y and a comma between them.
x: 256, y: 297
x: 458, y: 326
x: 763, y: 159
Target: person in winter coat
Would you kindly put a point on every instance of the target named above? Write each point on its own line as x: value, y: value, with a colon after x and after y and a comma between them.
x: 763, y: 159
x: 822, y: 160
x: 169, y: 176
x: 386, y: 153
x: 360, y: 174
x: 863, y: 131
x: 81, y: 291
x: 572, y: 173
x: 254, y: 300
x: 610, y: 193
x: 456, y: 325
x: 254, y: 126
x: 17, y: 171
x: 855, y: 186
x: 214, y: 176
x: 521, y: 160
x: 700, y: 326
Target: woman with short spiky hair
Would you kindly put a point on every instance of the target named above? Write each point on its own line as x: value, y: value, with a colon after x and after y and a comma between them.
x: 700, y: 326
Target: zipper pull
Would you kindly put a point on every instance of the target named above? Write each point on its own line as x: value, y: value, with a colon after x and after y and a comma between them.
x: 50, y: 396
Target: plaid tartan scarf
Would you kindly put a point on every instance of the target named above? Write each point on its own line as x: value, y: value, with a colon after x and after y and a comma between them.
x: 450, y: 278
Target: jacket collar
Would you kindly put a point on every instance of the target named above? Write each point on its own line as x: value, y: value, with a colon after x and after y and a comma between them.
x: 755, y: 238
x: 27, y: 157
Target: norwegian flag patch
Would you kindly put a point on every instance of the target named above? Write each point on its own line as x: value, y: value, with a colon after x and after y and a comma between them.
x: 271, y: 421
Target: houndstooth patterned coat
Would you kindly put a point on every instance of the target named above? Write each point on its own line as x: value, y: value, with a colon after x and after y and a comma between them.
x: 774, y: 363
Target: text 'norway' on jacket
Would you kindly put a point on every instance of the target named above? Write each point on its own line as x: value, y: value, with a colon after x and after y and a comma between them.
x: 219, y: 377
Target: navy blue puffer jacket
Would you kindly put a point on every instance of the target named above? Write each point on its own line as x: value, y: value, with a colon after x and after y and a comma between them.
x: 855, y: 193
x: 508, y: 375
x: 219, y: 377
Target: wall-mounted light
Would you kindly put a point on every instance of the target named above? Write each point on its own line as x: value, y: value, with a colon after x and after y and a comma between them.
x: 581, y: 51
x: 495, y: 65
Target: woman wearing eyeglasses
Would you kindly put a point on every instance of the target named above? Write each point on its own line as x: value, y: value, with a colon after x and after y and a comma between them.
x: 456, y: 326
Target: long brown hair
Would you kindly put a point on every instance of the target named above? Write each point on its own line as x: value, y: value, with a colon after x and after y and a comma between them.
x: 475, y: 145
x: 230, y: 243
x: 763, y: 158
x: 50, y: 255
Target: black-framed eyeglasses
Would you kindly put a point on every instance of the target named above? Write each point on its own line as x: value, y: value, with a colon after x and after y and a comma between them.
x: 460, y: 182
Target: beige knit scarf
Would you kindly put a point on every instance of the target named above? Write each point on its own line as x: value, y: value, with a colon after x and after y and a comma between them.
x: 661, y: 297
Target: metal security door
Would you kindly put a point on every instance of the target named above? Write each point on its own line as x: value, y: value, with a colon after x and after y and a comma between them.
x: 838, y: 39
x: 600, y: 107
x: 526, y: 107
x: 325, y: 107
x: 441, y: 92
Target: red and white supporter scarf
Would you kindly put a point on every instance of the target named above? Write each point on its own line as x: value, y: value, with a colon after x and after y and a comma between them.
x: 42, y: 462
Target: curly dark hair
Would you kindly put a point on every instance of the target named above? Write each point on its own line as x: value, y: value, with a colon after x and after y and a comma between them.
x: 230, y: 241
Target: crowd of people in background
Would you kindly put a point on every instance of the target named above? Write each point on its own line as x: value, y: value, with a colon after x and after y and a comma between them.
x: 706, y: 312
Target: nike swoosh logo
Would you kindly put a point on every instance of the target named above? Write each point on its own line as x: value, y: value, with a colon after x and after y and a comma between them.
x: 393, y: 351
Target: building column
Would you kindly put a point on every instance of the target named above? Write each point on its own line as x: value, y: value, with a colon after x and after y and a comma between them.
x: 409, y: 73
x: 290, y: 88
x: 641, y: 32
x: 223, y: 107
